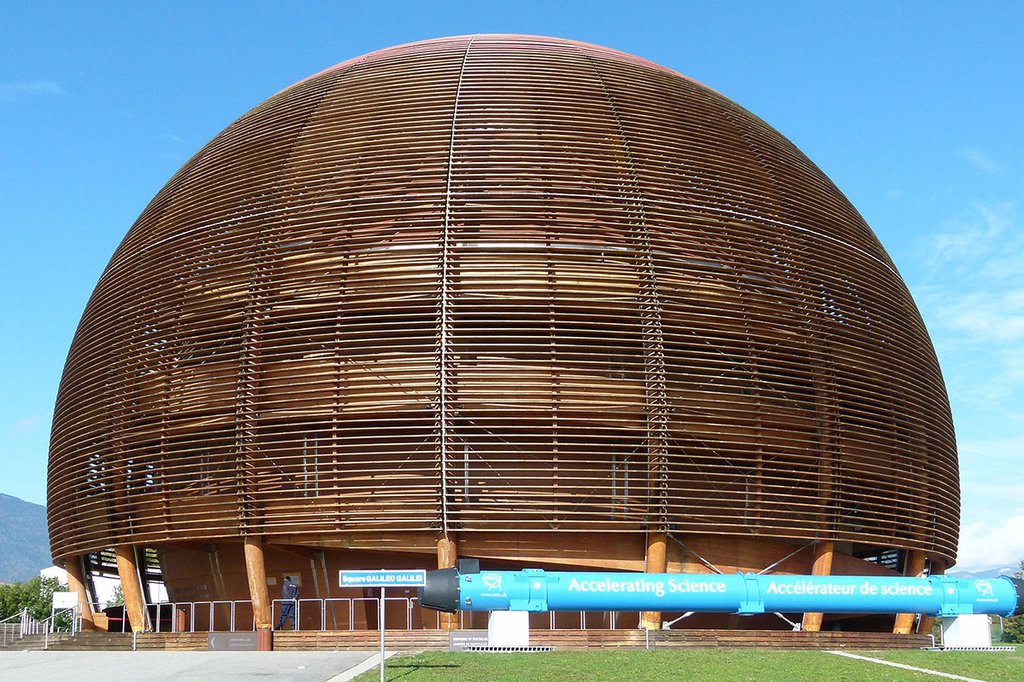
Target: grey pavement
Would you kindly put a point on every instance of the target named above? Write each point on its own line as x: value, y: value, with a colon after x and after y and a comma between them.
x: 207, y: 666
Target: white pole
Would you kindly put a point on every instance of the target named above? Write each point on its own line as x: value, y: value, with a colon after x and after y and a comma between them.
x: 380, y: 623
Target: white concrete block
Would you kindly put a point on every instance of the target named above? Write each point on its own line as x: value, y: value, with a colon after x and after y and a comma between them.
x: 508, y: 628
x: 972, y: 630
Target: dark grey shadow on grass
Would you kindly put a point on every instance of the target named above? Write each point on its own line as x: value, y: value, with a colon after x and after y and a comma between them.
x: 410, y: 668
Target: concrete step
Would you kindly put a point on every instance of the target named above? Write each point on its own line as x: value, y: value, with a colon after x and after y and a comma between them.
x: 95, y: 641
x: 172, y: 641
x: 34, y: 642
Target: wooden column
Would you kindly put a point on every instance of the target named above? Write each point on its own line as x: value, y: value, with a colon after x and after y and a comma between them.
x: 131, y: 587
x: 915, y: 568
x: 657, y: 562
x: 256, y: 572
x: 823, y: 552
x: 447, y: 553
x: 927, y: 623
x: 76, y: 583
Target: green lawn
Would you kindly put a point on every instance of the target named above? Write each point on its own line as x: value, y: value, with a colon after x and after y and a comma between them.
x: 697, y: 665
x: 991, y: 667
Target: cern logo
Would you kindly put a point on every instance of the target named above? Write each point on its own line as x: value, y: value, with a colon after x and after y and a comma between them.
x: 984, y: 587
x: 492, y: 581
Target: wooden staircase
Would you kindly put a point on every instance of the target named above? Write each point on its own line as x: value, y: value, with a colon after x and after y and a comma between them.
x: 93, y: 641
x: 171, y: 641
x: 34, y: 642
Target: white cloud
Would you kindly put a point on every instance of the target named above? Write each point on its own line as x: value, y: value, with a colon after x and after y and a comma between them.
x: 991, y: 486
x: 972, y: 288
x: 982, y: 161
x: 38, y: 87
x: 968, y: 242
x: 987, y: 317
x: 993, y: 490
x: 1009, y: 449
x: 26, y: 424
x: 996, y: 544
x: 971, y: 293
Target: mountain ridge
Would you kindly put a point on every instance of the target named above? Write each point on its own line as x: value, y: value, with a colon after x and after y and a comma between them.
x: 24, y: 539
x: 993, y: 572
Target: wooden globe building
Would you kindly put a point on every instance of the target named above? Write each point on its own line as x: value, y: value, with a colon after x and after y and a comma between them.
x: 515, y: 298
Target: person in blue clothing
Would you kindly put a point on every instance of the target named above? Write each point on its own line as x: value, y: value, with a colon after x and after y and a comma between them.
x: 289, y: 593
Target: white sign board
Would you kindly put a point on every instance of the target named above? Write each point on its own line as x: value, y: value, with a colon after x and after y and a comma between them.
x: 413, y: 577
x: 65, y: 600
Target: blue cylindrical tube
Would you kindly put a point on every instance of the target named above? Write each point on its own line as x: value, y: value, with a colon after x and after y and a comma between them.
x: 537, y: 590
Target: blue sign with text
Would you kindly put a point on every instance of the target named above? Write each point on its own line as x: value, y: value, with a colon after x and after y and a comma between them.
x: 533, y: 589
x: 412, y: 577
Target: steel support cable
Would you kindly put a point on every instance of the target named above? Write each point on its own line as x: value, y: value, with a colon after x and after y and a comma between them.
x: 445, y: 304
x: 245, y: 418
x: 694, y: 552
x: 796, y: 551
x: 656, y: 397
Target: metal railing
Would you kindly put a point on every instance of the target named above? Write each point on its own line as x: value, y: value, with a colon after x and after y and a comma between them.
x: 196, y: 616
x: 11, y: 629
x: 329, y: 607
x: 51, y: 625
x: 561, y: 620
x: 340, y: 613
x: 21, y: 625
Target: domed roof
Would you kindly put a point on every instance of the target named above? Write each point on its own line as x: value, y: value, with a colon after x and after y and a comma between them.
x: 501, y: 282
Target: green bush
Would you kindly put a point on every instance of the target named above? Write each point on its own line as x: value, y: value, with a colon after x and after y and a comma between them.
x: 36, y: 595
x: 1013, y: 628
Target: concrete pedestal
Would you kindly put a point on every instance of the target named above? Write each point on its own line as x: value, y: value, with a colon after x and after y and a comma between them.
x: 972, y: 630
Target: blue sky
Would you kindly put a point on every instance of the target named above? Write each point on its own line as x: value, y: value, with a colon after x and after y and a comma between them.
x: 912, y: 108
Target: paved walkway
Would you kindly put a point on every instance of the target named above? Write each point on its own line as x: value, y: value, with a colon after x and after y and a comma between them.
x: 197, y: 666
